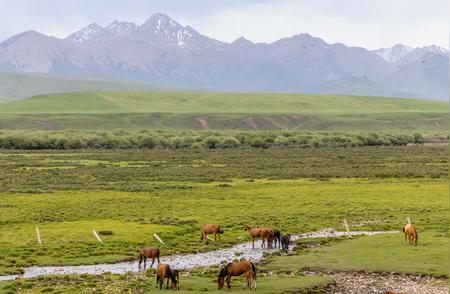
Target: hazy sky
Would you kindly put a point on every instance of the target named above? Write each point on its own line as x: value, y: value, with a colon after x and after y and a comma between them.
x: 367, y: 23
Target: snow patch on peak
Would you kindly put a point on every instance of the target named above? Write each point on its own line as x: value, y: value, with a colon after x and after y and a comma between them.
x: 86, y: 34
x: 117, y: 28
x: 435, y: 49
x: 394, y: 53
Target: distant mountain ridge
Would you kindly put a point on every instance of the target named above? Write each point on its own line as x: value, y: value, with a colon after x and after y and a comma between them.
x: 161, y: 51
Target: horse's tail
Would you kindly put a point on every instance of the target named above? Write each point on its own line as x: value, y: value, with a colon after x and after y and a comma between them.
x: 223, y: 272
x: 253, y: 271
x: 201, y: 236
x: 416, y: 236
x: 404, y: 228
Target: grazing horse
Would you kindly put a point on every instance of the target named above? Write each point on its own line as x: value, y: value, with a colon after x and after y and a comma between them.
x: 148, y: 252
x: 210, y: 229
x: 257, y: 232
x: 285, y: 240
x: 238, y: 268
x: 410, y: 234
x: 164, y: 271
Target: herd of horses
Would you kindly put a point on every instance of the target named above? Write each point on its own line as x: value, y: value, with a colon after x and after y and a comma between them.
x: 271, y: 238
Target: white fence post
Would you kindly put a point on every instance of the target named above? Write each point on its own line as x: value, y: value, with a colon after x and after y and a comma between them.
x: 158, y: 238
x: 346, y: 227
x: 97, y: 236
x: 38, y: 235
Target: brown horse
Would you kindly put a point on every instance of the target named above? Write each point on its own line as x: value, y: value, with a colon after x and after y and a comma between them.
x: 410, y: 234
x: 233, y: 269
x: 258, y: 232
x: 148, y: 252
x: 164, y: 271
x: 210, y: 229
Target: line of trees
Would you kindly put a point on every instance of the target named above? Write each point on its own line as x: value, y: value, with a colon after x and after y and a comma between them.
x: 129, y: 139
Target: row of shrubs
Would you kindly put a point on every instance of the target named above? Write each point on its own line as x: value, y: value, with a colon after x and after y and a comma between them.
x: 124, y: 139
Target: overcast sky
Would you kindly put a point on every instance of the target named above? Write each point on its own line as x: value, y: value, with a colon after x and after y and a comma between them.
x: 366, y: 23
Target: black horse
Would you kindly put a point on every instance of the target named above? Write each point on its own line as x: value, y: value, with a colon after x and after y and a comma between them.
x: 277, y: 238
x: 285, y: 240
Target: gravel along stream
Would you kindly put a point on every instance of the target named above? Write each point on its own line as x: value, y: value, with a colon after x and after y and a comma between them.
x: 181, y: 261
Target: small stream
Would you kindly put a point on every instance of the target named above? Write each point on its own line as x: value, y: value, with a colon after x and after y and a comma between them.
x: 180, y: 261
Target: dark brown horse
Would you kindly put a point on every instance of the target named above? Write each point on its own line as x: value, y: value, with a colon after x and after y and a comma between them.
x: 164, y: 271
x: 410, y: 234
x: 285, y: 241
x: 277, y: 238
x: 233, y: 269
x: 210, y: 229
x: 148, y: 252
x: 257, y: 232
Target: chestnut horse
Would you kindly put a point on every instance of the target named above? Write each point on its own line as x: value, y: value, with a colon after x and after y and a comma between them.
x: 210, y: 229
x: 238, y: 268
x: 258, y: 232
x: 164, y: 271
x: 410, y: 234
x: 148, y: 252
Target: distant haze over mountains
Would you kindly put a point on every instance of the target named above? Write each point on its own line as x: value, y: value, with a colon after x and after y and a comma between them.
x: 161, y: 51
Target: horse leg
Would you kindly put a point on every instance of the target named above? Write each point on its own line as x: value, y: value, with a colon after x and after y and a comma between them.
x: 229, y: 281
x: 140, y: 260
x: 215, y: 237
x: 145, y: 262
x: 167, y: 286
x: 248, y: 279
x: 153, y: 261
x: 253, y: 241
x: 263, y: 242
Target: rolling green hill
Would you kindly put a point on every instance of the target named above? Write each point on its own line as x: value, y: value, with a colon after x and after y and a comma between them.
x: 205, y: 110
x: 19, y: 85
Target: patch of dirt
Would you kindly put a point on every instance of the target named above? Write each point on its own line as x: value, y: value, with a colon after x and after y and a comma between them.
x: 203, y: 120
x: 251, y: 122
x: 378, y: 283
x: 46, y: 124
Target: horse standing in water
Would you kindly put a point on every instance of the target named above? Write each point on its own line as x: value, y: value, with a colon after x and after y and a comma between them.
x: 258, y: 232
x: 210, y: 229
x: 285, y: 240
x: 164, y: 271
x: 148, y: 252
x: 233, y: 269
x: 410, y: 234
x: 277, y: 238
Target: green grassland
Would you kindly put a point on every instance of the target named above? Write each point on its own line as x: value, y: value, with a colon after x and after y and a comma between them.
x: 226, y: 111
x: 145, y: 284
x: 17, y: 86
x: 379, y: 253
x: 172, y: 192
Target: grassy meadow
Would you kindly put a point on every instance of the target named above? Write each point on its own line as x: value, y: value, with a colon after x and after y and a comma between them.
x: 170, y: 187
x: 172, y: 192
x: 222, y: 111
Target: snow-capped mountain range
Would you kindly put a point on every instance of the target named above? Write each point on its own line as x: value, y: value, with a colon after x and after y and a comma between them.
x: 163, y: 51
